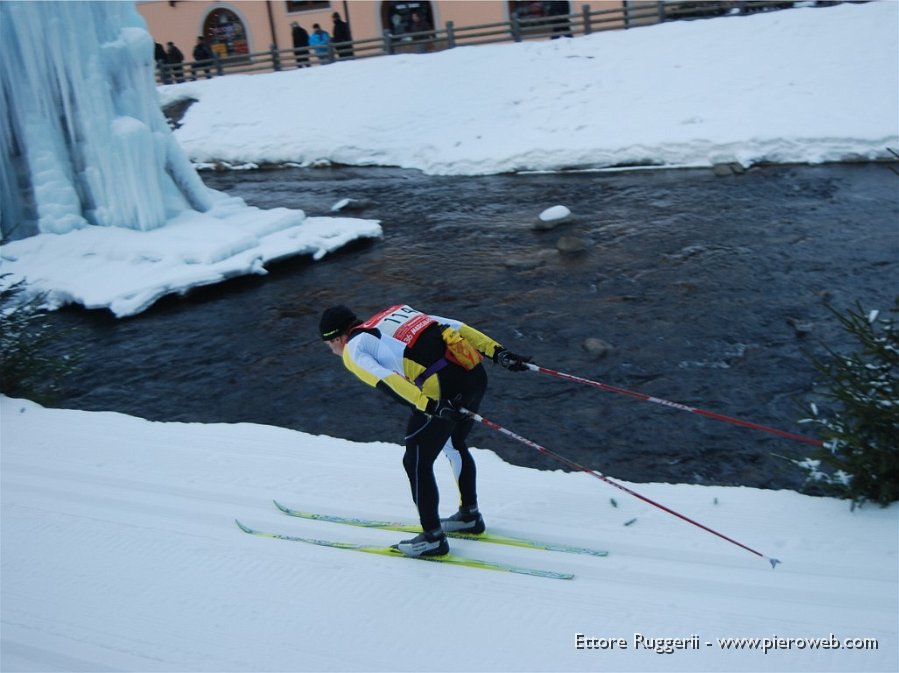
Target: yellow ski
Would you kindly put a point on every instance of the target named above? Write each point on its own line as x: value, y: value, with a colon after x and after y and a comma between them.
x: 452, y: 559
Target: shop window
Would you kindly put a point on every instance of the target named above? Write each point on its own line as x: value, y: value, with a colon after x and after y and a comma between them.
x: 407, y: 17
x: 225, y: 33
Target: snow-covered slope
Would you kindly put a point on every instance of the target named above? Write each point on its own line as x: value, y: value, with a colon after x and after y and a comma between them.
x: 119, y: 552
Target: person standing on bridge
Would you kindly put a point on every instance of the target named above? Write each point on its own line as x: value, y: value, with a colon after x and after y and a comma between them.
x: 433, y: 366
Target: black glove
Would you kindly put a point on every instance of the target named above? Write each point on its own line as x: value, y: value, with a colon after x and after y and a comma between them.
x: 446, y: 410
x: 511, y: 361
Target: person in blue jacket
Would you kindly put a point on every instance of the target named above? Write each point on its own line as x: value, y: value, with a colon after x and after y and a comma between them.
x: 319, y: 41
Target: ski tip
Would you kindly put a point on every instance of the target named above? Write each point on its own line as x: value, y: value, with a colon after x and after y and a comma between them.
x: 241, y: 526
x: 773, y: 562
x: 278, y: 505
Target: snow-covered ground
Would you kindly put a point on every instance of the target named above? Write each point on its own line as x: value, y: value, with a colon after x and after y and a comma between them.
x: 126, y: 271
x: 805, y: 85
x: 120, y: 552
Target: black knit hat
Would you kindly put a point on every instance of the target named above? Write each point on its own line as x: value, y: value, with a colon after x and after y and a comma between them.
x: 336, y: 321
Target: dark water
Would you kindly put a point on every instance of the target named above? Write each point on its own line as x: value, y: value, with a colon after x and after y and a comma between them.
x: 696, y: 281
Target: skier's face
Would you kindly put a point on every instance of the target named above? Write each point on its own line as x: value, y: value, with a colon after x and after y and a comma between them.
x: 337, y: 345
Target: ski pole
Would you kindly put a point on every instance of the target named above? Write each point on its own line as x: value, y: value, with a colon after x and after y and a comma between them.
x: 598, y: 475
x: 676, y: 405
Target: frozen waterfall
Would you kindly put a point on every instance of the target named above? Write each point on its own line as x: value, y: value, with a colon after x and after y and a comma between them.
x: 84, y: 139
x: 100, y: 205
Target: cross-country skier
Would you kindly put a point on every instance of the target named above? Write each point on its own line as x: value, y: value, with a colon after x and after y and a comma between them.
x: 432, y: 365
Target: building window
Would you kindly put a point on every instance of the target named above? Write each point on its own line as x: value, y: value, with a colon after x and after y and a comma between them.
x: 298, y: 6
x: 407, y: 17
x: 225, y: 33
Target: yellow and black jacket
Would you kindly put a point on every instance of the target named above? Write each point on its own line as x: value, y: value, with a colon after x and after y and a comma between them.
x: 401, y: 350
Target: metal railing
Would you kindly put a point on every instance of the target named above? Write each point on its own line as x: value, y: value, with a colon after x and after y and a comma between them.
x: 585, y: 22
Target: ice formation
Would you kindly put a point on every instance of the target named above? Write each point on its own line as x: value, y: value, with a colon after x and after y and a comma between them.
x: 85, y: 140
x: 100, y: 205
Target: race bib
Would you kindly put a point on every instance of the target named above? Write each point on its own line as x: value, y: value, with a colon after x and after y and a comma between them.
x: 401, y: 322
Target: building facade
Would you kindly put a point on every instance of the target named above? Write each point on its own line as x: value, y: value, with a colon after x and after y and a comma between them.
x: 252, y: 26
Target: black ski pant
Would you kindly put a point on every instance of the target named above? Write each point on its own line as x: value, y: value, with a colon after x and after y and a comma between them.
x: 427, y: 435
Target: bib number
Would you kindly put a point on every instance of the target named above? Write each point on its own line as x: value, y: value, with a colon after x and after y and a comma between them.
x: 401, y: 322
